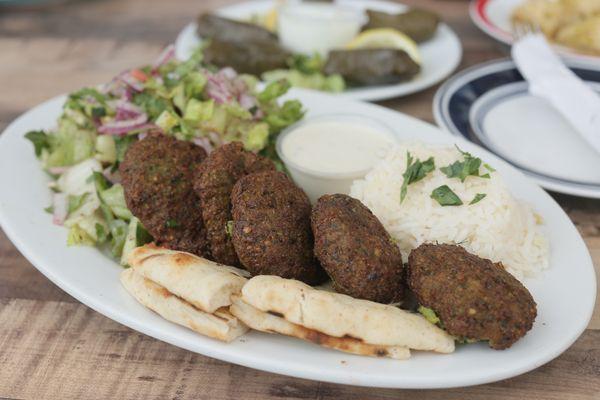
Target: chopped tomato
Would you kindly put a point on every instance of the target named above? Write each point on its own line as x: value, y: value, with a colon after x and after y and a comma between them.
x: 139, y: 75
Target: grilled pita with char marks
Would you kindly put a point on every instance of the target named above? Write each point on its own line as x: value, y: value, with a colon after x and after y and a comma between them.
x: 270, y: 323
x: 337, y: 315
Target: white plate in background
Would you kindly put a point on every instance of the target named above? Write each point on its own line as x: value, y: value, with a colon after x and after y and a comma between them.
x: 488, y: 104
x: 440, y: 55
x: 493, y: 17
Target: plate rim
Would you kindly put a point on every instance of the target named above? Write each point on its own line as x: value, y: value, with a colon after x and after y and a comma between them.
x: 369, y: 93
x: 268, y: 364
x: 442, y: 119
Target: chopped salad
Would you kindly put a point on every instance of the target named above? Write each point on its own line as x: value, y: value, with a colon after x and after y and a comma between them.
x: 188, y: 100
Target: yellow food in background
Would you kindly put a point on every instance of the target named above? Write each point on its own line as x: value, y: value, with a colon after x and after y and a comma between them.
x: 571, y: 23
x: 386, y: 38
x: 584, y: 35
x: 267, y: 20
x: 270, y: 21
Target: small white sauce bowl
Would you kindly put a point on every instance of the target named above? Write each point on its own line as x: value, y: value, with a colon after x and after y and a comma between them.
x: 316, y: 183
x: 318, y: 27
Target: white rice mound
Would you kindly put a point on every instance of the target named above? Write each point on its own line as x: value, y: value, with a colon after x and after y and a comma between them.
x: 498, y: 227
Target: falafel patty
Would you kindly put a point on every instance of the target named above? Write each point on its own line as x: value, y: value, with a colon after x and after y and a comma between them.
x: 271, y: 231
x: 473, y: 297
x: 356, y: 251
x: 213, y: 183
x: 157, y: 176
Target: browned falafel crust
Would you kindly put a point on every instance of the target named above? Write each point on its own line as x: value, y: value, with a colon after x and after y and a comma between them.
x: 213, y: 183
x: 157, y: 176
x: 356, y: 251
x: 271, y: 232
x: 473, y: 297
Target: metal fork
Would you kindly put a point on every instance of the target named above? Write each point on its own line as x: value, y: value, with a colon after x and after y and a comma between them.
x: 522, y: 29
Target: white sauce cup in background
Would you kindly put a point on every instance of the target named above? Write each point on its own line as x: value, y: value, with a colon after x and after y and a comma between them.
x: 318, y: 27
x: 325, y: 154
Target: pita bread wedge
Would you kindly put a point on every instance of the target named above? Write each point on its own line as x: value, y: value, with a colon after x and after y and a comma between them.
x: 220, y: 325
x: 265, y: 322
x: 203, y: 283
x: 339, y: 315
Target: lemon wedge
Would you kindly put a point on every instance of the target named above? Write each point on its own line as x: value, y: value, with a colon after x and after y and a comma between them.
x: 270, y: 20
x: 386, y: 38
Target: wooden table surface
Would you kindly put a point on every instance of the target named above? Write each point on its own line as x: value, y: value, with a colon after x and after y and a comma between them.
x: 53, y: 347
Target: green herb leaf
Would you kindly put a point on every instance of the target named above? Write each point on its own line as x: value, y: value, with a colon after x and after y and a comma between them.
x: 153, y: 105
x: 49, y: 209
x: 462, y: 169
x: 415, y: 171
x: 489, y: 167
x: 478, y: 197
x: 98, y: 112
x: 40, y: 141
x: 171, y: 223
x: 445, y: 196
x: 76, y: 201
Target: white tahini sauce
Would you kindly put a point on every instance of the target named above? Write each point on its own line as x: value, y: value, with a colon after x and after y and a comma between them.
x: 336, y: 147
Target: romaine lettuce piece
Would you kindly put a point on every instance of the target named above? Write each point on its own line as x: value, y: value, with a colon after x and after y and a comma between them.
x: 114, y: 198
x: 274, y: 90
x: 167, y: 120
x: 136, y: 236
x: 106, y: 150
x: 70, y: 144
x: 118, y: 230
x: 196, y: 110
x: 79, y: 237
x: 316, y: 80
x: 257, y: 137
x: 281, y: 117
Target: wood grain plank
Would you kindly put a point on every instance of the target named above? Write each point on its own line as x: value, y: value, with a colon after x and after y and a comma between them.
x: 56, y: 350
x: 20, y: 280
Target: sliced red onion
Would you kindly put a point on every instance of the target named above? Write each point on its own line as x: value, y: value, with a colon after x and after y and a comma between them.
x: 58, y: 170
x: 228, y: 73
x: 123, y: 127
x: 128, y: 106
x: 165, y: 56
x: 247, y: 101
x: 259, y: 114
x: 60, y: 208
x: 215, y: 139
x: 204, y: 143
x: 217, y: 89
x: 131, y: 81
x: 127, y: 111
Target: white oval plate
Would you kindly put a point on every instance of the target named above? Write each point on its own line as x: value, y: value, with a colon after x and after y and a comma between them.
x: 493, y: 17
x: 569, y: 284
x: 441, y: 54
